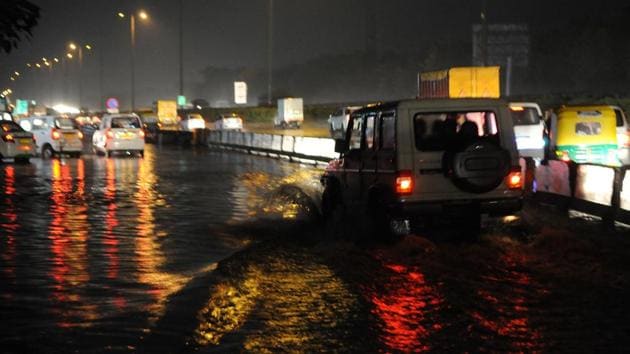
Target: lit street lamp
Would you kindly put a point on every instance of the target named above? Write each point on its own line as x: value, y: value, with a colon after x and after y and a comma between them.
x: 79, y: 48
x: 142, y: 15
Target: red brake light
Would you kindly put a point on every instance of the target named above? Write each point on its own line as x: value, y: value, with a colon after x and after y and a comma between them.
x: 109, y: 134
x: 404, y: 183
x: 80, y: 135
x: 514, y: 179
x: 625, y: 139
x: 55, y: 134
x: 141, y: 133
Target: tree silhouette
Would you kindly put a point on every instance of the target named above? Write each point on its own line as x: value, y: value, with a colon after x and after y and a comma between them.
x: 16, y: 22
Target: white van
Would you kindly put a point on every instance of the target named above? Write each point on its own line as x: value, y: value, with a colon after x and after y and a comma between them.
x: 529, y: 129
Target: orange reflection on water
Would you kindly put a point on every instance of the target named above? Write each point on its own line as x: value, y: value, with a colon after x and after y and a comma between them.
x: 404, y: 304
x: 68, y: 232
x: 149, y: 257
x: 110, y: 241
x: 10, y: 225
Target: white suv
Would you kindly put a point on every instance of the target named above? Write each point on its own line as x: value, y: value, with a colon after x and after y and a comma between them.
x: 55, y: 135
x: 119, y: 133
x: 407, y: 161
x: 192, y: 121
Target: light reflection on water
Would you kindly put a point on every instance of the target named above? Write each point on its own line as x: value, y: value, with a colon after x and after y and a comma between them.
x: 101, y: 243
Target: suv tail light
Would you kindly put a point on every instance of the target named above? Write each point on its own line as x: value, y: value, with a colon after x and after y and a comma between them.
x: 514, y: 179
x: 141, y: 133
x: 404, y: 182
x: 625, y: 140
x: 8, y: 138
x: 54, y: 134
x: 80, y: 135
x: 109, y: 134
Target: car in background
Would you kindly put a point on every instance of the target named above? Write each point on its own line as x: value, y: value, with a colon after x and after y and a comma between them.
x: 15, y: 142
x: 229, y: 122
x: 191, y: 121
x: 119, y: 133
x: 529, y: 129
x: 338, y: 121
x: 55, y: 135
x: 151, y: 127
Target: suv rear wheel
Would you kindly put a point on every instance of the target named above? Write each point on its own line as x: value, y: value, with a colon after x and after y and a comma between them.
x: 333, y: 212
x: 478, y: 167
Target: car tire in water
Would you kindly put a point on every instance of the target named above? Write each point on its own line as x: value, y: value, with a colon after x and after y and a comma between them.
x: 333, y: 213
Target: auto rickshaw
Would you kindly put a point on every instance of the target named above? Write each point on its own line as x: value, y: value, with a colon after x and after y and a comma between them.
x: 586, y: 134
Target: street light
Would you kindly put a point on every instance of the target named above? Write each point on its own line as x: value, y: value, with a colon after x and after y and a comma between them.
x: 132, y: 37
x: 72, y: 46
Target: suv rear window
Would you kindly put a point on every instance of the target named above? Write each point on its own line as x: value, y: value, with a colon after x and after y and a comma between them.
x: 437, y: 130
x: 525, y: 115
x: 64, y: 123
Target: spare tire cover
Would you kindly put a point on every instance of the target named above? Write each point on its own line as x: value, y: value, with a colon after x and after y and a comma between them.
x: 479, y: 167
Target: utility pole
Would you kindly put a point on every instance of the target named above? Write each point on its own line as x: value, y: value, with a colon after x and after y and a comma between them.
x: 181, y: 47
x: 484, y: 34
x: 269, y: 51
x: 132, y: 32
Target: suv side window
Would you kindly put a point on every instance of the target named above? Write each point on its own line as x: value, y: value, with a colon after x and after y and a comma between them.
x: 388, y: 132
x: 355, y: 133
x: 369, y: 132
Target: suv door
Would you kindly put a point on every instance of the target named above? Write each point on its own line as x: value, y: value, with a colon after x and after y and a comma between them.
x: 368, y: 153
x: 386, y: 148
x: 352, y: 161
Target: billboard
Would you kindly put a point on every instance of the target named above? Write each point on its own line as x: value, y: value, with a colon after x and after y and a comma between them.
x: 502, y: 43
x: 240, y: 92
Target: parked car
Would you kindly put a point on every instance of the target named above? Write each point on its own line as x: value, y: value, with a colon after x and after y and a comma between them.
x: 413, y: 160
x: 55, y: 135
x: 191, y: 121
x: 15, y: 142
x: 119, y: 133
x: 229, y: 122
x: 338, y: 121
x: 529, y: 129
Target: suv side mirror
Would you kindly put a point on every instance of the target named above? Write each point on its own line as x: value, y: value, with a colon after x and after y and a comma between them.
x: 341, y: 145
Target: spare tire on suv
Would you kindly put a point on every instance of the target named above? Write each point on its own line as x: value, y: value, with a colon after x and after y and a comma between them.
x: 479, y: 166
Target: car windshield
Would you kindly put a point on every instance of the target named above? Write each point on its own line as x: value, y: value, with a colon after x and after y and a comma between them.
x: 525, y: 115
x: 64, y: 123
x: 10, y: 127
x: 125, y: 122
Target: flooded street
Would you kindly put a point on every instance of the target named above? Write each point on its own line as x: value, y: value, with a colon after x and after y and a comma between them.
x: 200, y: 251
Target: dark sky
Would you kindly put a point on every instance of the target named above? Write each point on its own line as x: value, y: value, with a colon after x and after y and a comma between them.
x: 233, y: 34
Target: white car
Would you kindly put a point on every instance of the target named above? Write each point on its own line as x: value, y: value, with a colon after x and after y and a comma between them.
x: 119, y: 133
x: 15, y: 142
x: 55, y: 135
x: 529, y: 129
x: 192, y: 121
x: 229, y: 122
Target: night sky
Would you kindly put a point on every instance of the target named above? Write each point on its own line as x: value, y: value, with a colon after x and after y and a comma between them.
x: 232, y: 35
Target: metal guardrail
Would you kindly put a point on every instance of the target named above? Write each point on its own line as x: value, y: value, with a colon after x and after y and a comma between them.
x: 595, y: 189
x: 292, y: 147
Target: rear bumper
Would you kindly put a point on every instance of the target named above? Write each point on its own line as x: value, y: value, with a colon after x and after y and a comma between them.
x: 495, y: 207
x: 18, y: 150
x: 125, y: 145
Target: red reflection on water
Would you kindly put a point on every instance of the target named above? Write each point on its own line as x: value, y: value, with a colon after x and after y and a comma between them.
x: 68, y: 232
x: 511, y: 310
x: 404, y: 304
x: 9, y: 226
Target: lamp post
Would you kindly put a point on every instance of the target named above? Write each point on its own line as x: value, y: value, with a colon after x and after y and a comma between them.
x: 79, y: 48
x: 142, y: 15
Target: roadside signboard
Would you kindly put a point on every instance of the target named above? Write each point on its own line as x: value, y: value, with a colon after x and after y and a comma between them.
x: 112, y: 105
x: 240, y: 92
x: 181, y: 100
x: 21, y: 107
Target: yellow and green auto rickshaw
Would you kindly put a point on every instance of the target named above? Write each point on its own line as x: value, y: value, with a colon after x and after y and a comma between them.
x: 586, y: 134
